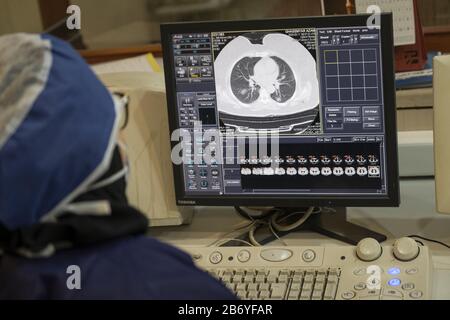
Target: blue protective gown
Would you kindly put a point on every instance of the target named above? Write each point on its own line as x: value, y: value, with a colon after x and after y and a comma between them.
x: 132, y: 268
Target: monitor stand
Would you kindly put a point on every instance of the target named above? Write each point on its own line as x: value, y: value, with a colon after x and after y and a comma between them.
x: 336, y: 226
x: 330, y: 224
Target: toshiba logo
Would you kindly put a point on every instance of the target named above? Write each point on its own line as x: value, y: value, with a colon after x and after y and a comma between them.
x: 186, y: 202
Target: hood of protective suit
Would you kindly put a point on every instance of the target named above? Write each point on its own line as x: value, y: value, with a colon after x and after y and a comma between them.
x: 58, y: 125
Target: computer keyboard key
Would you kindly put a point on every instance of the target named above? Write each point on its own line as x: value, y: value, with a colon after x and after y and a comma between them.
x: 322, y: 272
x: 264, y: 287
x: 408, y: 286
x: 299, y: 273
x: 334, y: 272
x: 332, y: 279
x: 306, y: 294
x: 348, y: 295
x: 241, y: 287
x: 416, y: 294
x: 228, y: 272
x: 237, y: 279
x: 309, y: 278
x: 317, y: 295
x: 392, y: 293
x: 278, y: 290
x: 330, y: 291
x: 252, y: 287
x: 248, y: 279
x: 240, y: 272
x: 252, y: 295
x: 284, y: 272
x: 320, y: 279
x: 274, y: 272
x: 296, y: 286
x: 264, y: 294
x: 241, y: 294
x: 251, y: 272
x: 319, y: 287
x: 261, y: 272
x: 307, y: 286
x: 260, y: 278
x: 271, y: 278
x: 373, y: 292
x: 293, y: 294
x: 283, y: 279
x: 297, y: 279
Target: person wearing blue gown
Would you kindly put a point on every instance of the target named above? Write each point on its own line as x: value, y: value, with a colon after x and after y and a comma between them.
x: 67, y: 230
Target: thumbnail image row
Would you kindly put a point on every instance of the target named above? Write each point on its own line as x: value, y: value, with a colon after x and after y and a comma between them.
x: 371, y: 171
x: 314, y: 160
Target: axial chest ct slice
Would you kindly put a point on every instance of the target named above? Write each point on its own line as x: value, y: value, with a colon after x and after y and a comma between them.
x: 255, y: 77
x: 275, y: 76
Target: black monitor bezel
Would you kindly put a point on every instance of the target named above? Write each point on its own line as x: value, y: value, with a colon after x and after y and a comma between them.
x: 387, y: 49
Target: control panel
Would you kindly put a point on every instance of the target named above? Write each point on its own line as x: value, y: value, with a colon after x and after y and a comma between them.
x: 368, y: 271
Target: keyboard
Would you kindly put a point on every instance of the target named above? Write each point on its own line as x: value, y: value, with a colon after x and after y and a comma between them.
x: 368, y: 271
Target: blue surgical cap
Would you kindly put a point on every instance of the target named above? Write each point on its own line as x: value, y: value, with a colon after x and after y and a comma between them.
x: 58, y: 125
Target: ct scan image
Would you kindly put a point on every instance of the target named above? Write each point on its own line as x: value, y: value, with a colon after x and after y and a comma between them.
x: 266, y: 81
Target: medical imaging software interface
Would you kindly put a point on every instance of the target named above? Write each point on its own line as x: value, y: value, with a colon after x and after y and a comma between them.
x: 319, y: 89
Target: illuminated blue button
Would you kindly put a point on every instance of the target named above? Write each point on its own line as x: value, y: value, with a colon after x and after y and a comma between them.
x: 394, y: 282
x: 394, y: 271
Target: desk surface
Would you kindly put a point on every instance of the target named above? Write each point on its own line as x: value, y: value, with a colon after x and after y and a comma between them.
x: 416, y: 215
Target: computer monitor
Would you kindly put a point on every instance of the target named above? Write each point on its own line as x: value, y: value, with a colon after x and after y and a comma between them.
x: 283, y: 112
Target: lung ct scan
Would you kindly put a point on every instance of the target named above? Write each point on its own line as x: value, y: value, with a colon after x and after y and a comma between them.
x: 267, y: 81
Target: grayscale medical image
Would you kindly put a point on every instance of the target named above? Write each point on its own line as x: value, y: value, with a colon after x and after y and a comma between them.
x: 267, y: 81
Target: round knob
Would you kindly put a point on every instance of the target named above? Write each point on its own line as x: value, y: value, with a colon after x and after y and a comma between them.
x: 368, y: 249
x: 406, y: 249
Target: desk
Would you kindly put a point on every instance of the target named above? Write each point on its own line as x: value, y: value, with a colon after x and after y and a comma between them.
x: 416, y: 215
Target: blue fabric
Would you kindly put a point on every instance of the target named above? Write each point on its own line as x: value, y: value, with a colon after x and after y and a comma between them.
x: 132, y: 268
x: 61, y: 141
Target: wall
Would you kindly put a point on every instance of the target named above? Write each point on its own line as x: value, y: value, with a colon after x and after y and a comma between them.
x: 434, y: 12
x: 19, y: 16
x: 118, y: 23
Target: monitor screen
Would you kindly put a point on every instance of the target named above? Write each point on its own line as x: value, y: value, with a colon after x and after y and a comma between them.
x: 282, y: 112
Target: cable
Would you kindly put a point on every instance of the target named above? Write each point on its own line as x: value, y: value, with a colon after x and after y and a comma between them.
x: 319, y: 210
x: 246, y: 215
x: 229, y: 233
x: 294, y: 225
x: 251, y: 237
x: 276, y: 235
x: 430, y: 240
x: 276, y: 226
x: 272, y: 218
x: 251, y: 232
